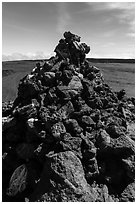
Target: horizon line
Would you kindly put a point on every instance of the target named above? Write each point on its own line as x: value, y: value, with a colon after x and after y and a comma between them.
x: 86, y: 58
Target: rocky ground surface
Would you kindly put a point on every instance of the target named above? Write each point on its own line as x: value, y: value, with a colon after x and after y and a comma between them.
x: 7, y: 72
x: 68, y: 136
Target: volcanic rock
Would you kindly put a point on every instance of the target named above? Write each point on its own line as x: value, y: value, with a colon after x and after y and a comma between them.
x: 129, y: 165
x: 8, y: 122
x: 63, y: 174
x: 128, y: 195
x: 68, y: 136
x: 18, y: 181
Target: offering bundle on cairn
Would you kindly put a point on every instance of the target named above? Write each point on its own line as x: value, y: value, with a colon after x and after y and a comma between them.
x: 68, y: 136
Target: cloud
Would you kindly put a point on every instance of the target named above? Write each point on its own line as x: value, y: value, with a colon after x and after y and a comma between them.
x: 126, y: 55
x: 132, y: 35
x: 42, y: 55
x: 90, y: 55
x: 18, y: 27
x: 109, y: 33
x: 108, y: 45
x: 112, y: 5
x: 63, y: 17
x: 124, y: 12
x: 28, y: 56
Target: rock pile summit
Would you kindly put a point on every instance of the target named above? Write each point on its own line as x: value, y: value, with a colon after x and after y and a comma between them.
x: 68, y: 136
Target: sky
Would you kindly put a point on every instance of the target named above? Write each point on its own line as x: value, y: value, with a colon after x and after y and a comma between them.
x: 31, y: 30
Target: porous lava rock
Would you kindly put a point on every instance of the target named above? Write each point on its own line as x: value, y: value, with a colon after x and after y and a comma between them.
x: 68, y: 136
x: 63, y: 174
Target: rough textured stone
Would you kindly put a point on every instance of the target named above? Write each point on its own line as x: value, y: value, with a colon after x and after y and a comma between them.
x: 73, y: 127
x: 123, y: 146
x: 131, y: 130
x: 75, y: 83
x: 26, y: 112
x: 48, y: 78
x: 31, y: 125
x: 57, y: 130
x: 68, y: 136
x: 7, y: 108
x: 65, y: 176
x: 73, y: 144
x: 28, y: 88
x: 128, y: 195
x: 103, y: 194
x: 65, y: 111
x: 87, y: 121
x: 114, y: 131
x: 8, y: 122
x: 103, y: 139
x: 92, y: 169
x: 18, y: 181
x: 129, y: 165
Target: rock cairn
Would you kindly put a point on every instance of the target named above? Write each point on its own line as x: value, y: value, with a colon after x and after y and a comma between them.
x: 68, y: 136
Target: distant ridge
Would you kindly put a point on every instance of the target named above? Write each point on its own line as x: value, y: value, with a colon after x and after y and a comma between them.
x: 111, y: 60
x: 97, y: 60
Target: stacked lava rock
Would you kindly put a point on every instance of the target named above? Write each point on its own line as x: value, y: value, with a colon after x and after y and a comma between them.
x: 68, y: 136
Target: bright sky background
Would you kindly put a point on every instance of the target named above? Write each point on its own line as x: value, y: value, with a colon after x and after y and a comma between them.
x: 31, y: 30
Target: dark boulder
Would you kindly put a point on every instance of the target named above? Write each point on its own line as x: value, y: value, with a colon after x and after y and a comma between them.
x: 58, y: 130
x: 73, y: 127
x: 63, y: 181
x: 73, y: 144
x: 68, y: 137
x: 114, y: 131
x: 128, y: 195
x: 123, y: 146
x: 129, y: 166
